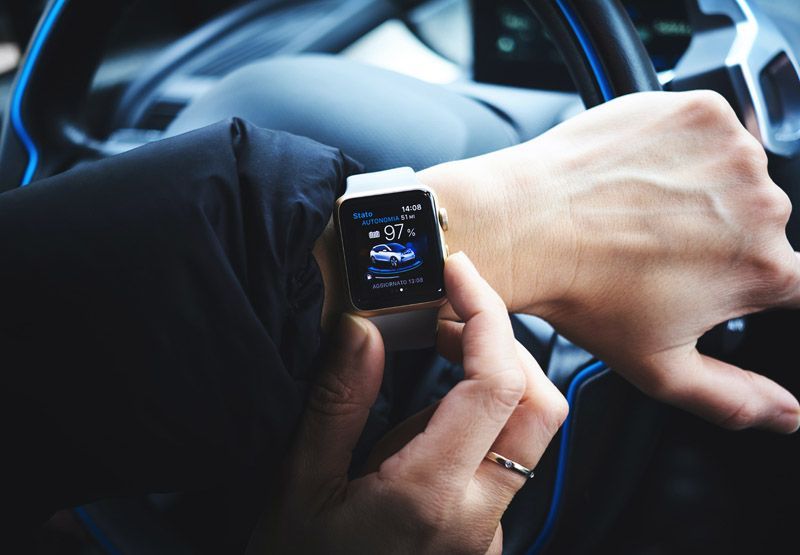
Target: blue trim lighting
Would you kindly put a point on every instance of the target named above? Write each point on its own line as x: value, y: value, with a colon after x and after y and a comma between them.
x: 563, y: 456
x: 19, y: 91
x: 99, y: 536
x: 588, y: 49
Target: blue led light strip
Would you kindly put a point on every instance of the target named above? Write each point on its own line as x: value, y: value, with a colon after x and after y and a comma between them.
x: 19, y: 91
x: 105, y: 543
x: 588, y: 49
x: 33, y: 161
x: 563, y: 456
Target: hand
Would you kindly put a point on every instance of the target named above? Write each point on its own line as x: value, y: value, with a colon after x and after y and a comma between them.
x: 634, y: 228
x: 436, y: 494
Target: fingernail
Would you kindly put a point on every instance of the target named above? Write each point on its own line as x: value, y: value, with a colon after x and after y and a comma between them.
x: 352, y: 333
x: 789, y: 422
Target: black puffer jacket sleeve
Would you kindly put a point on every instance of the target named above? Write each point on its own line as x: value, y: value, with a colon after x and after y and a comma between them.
x: 159, y: 314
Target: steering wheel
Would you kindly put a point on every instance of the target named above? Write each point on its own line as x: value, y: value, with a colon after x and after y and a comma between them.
x: 44, y: 134
x: 605, y: 58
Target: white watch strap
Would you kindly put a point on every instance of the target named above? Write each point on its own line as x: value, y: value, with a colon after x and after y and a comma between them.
x: 396, y: 177
x: 415, y: 329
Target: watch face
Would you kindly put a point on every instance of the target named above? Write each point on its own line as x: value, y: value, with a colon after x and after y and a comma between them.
x: 392, y: 249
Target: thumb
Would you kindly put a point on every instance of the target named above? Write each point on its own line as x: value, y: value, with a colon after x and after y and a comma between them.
x: 338, y: 406
x: 729, y: 396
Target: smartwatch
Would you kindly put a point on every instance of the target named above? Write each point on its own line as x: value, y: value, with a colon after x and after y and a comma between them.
x: 391, y: 233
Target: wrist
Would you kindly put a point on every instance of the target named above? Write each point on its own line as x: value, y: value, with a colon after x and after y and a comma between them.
x: 517, y: 251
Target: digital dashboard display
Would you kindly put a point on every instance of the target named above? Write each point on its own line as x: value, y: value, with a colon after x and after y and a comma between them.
x: 512, y: 46
x: 392, y: 249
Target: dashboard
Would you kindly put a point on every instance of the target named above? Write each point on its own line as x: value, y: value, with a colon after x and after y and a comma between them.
x: 512, y: 47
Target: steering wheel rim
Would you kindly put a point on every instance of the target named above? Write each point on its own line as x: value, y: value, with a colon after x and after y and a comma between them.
x: 43, y: 136
x: 600, y: 45
x: 602, y: 50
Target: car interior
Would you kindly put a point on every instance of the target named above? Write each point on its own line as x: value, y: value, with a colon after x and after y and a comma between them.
x: 417, y: 83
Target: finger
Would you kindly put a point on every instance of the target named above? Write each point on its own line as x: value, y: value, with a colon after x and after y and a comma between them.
x: 446, y: 312
x: 528, y: 432
x: 726, y: 395
x: 448, y: 340
x: 496, y: 547
x: 531, y: 426
x: 471, y: 415
x: 392, y: 442
x: 338, y: 406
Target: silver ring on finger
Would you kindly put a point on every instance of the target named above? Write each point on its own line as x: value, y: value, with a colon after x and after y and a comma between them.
x: 507, y: 463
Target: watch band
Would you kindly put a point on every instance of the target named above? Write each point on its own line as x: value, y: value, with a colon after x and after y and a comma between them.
x: 396, y: 177
x: 414, y: 329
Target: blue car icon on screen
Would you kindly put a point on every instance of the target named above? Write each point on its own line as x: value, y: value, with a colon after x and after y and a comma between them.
x: 393, y: 254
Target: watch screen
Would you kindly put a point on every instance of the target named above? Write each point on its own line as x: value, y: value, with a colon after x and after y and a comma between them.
x: 392, y: 249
